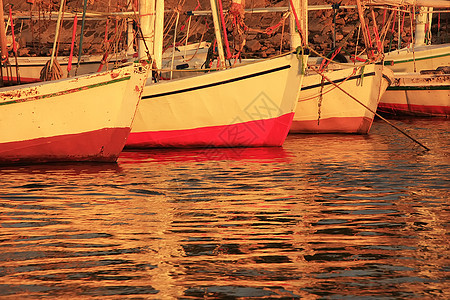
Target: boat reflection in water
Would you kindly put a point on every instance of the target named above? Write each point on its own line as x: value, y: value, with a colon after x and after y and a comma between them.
x: 323, y: 216
x: 267, y: 154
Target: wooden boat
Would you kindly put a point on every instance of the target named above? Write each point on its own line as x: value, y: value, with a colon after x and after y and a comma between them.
x: 249, y: 105
x: 417, y: 58
x: 192, y: 56
x: 416, y: 94
x: 422, y: 79
x: 324, y: 108
x: 419, y: 55
x: 419, y: 89
x: 30, y: 67
x: 85, y: 118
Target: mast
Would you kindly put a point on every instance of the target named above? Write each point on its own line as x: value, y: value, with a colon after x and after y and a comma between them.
x: 422, y: 18
x: 147, y: 23
x: 303, y: 16
x: 217, y: 32
x: 58, y: 22
x: 159, y: 33
x: 130, y: 37
x: 301, y: 10
x: 364, y: 29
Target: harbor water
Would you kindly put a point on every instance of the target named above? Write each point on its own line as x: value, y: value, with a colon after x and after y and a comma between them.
x: 323, y: 217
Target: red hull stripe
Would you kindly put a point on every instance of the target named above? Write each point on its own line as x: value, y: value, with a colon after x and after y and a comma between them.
x: 269, y: 132
x: 419, y: 110
x: 102, y: 145
x: 360, y: 125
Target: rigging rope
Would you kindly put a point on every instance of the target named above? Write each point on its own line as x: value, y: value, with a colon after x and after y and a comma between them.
x: 74, y: 33
x: 225, y: 35
x: 80, y: 47
x: 52, y: 70
x: 368, y: 108
x: 14, y: 44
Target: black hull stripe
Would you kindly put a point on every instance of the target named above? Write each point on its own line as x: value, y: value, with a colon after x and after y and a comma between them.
x: 218, y: 83
x: 304, y: 88
x: 419, y: 88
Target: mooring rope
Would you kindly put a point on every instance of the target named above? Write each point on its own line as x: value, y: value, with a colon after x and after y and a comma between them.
x: 365, y: 106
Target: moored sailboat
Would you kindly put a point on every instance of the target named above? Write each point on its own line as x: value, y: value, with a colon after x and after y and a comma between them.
x: 248, y: 105
x: 422, y: 79
x: 324, y: 108
x: 30, y: 67
x: 85, y: 118
x: 30, y: 54
x: 421, y: 95
x: 419, y: 57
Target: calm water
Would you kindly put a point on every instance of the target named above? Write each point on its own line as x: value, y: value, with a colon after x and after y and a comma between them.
x: 325, y: 216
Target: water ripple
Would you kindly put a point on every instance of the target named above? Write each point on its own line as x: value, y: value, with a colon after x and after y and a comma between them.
x: 325, y: 216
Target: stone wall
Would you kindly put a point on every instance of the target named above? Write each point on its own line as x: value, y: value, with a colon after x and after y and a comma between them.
x: 36, y: 38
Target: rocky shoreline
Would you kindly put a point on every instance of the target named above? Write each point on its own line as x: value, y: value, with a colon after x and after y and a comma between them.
x: 259, y: 34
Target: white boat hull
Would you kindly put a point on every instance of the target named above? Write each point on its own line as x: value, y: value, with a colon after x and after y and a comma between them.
x: 413, y: 93
x: 86, y: 118
x: 30, y: 67
x: 424, y: 57
x: 324, y: 108
x: 192, y: 56
x: 425, y: 95
x: 249, y: 105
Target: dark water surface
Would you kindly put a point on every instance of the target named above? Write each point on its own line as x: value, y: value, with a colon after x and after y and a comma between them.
x: 325, y: 216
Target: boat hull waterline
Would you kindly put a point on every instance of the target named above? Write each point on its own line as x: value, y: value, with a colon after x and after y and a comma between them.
x: 85, y: 118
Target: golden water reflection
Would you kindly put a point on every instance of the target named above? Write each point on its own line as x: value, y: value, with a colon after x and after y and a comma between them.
x: 321, y: 217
